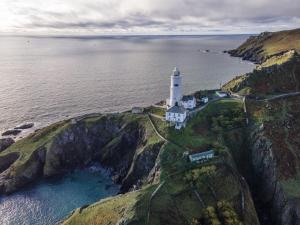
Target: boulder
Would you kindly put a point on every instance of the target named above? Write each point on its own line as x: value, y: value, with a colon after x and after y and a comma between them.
x: 24, y: 126
x: 11, y: 132
x: 5, y: 143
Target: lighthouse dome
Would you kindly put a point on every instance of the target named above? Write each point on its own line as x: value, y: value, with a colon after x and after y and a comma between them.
x: 176, y: 72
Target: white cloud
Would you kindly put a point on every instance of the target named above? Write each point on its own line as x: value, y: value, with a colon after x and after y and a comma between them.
x: 146, y: 16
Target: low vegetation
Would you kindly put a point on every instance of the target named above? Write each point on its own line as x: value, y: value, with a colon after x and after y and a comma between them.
x: 261, y: 47
x: 156, y: 111
x: 182, y: 183
x: 42, y: 137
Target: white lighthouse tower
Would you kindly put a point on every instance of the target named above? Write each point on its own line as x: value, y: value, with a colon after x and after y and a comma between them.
x: 175, y: 89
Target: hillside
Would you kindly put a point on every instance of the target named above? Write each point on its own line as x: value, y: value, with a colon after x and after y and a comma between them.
x: 261, y: 47
x: 277, y: 75
x: 158, y: 184
x: 209, y: 193
x: 274, y: 142
x: 272, y: 98
x: 278, y: 69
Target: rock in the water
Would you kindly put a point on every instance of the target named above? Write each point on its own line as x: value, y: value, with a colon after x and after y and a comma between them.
x: 5, y: 143
x: 11, y: 132
x: 24, y: 126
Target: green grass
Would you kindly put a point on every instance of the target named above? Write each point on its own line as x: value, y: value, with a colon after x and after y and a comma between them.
x: 277, y: 59
x: 112, y: 209
x: 156, y: 110
x: 42, y: 137
x: 202, y: 130
x: 275, y: 43
x: 176, y: 201
x: 291, y: 187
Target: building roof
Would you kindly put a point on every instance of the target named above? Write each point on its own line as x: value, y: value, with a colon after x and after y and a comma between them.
x: 177, y: 109
x: 188, y: 98
x: 201, y: 154
x: 136, y: 108
x: 221, y: 92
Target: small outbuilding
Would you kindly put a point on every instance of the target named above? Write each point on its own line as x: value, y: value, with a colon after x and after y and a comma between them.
x: 202, y: 156
x: 188, y: 101
x: 222, y: 94
x: 204, y: 99
x: 137, y: 110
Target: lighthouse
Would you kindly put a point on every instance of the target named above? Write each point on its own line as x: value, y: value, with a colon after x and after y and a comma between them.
x: 175, y: 89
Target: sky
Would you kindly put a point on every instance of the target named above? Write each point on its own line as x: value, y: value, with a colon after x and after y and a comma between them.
x: 108, y: 17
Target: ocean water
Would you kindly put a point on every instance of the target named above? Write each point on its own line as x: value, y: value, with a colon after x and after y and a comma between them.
x: 43, y: 80
x: 49, y: 201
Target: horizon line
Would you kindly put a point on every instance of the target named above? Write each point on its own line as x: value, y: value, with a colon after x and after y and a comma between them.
x: 117, y: 35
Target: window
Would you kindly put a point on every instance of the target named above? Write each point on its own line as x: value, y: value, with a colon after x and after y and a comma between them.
x: 175, y: 85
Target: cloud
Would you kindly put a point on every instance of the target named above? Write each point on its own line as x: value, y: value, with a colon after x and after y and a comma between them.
x: 147, y: 16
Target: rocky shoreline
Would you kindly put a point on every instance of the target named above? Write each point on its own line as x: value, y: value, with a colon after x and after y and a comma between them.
x: 111, y: 142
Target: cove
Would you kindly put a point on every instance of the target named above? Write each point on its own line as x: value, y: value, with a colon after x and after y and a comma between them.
x: 51, y: 200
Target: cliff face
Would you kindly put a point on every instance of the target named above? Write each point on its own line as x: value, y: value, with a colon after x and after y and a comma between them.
x: 274, y: 143
x: 280, y: 74
x: 273, y: 110
x: 5, y: 143
x: 118, y: 143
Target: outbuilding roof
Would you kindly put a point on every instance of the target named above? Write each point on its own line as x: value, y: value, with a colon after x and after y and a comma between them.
x: 177, y: 109
x: 202, y: 154
x: 187, y: 98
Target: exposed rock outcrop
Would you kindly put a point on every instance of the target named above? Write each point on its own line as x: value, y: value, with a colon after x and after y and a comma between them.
x: 25, y: 126
x: 119, y: 144
x: 5, y: 143
x: 13, y: 132
x: 283, y: 210
x: 278, y: 75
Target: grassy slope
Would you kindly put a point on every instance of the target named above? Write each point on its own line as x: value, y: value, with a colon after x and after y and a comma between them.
x: 203, y: 132
x: 282, y: 41
x: 279, y: 74
x: 269, y: 49
x: 42, y: 137
x: 269, y: 44
x: 111, y: 209
x: 176, y: 202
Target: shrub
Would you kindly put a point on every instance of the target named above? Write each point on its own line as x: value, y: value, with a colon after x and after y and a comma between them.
x: 227, y: 214
x: 210, y: 216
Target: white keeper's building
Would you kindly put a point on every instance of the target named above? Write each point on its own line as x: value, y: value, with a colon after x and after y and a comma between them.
x: 188, y: 102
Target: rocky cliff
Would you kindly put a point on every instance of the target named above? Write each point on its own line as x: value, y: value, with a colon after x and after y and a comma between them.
x: 272, y: 105
x: 274, y: 142
x: 277, y: 75
x: 121, y: 144
x: 268, y: 44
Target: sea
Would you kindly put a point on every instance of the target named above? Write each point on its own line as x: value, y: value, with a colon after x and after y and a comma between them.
x: 51, y: 200
x: 47, y: 79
